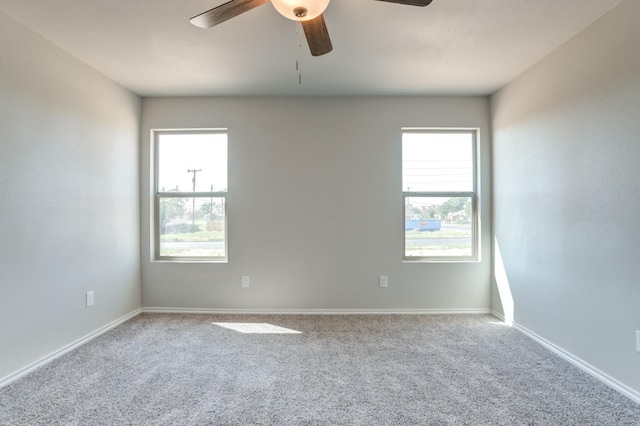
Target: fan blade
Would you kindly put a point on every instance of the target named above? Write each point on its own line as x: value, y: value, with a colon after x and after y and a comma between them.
x: 225, y: 11
x: 421, y: 3
x: 317, y: 36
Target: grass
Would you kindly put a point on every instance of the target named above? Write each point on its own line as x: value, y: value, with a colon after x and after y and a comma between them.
x: 193, y: 236
x: 191, y: 252
x: 449, y: 233
x: 444, y: 251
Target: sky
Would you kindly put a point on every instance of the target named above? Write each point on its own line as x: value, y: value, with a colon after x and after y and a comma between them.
x: 437, y: 162
x: 178, y: 153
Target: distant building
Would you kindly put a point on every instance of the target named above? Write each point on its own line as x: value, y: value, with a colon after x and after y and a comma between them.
x: 460, y: 216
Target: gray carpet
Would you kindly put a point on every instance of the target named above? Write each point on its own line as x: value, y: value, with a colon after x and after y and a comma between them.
x: 165, y: 369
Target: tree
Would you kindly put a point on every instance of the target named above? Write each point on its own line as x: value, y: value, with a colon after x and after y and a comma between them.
x: 453, y: 205
x: 215, y: 212
x: 170, y: 208
x: 429, y: 212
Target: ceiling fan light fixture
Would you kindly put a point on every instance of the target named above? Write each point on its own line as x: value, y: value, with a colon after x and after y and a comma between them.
x: 291, y: 9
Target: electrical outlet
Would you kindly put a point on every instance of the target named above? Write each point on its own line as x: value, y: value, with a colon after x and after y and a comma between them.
x: 89, y: 298
x: 246, y: 281
x: 638, y: 340
x: 384, y: 281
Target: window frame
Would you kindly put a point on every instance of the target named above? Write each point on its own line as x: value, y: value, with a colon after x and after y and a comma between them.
x: 158, y: 195
x: 473, y: 195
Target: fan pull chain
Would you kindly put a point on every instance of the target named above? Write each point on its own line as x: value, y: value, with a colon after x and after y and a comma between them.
x: 298, y: 49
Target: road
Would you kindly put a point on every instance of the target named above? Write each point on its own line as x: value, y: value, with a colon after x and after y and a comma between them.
x: 193, y: 244
x: 429, y: 242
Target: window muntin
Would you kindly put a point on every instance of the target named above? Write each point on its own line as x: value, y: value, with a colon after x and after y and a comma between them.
x: 190, y: 195
x: 439, y: 191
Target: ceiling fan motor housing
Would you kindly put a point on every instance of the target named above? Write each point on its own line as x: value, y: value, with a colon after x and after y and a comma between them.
x: 300, y: 10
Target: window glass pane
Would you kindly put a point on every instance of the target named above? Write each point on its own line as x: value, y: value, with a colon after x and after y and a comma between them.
x: 438, y: 226
x: 191, y: 161
x: 434, y: 162
x: 192, y: 226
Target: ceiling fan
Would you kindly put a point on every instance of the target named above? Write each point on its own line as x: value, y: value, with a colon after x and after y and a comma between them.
x: 308, y: 12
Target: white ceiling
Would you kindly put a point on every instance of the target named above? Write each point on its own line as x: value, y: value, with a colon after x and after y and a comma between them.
x: 450, y: 47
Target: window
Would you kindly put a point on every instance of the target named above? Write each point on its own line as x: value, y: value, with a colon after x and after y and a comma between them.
x: 440, y: 194
x: 190, y: 195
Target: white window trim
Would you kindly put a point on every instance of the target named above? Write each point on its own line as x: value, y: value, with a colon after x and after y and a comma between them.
x: 474, y: 195
x: 157, y: 194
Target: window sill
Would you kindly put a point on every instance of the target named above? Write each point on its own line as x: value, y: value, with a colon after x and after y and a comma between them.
x: 193, y: 261
x: 440, y: 260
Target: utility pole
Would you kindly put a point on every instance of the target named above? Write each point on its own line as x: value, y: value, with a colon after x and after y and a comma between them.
x: 193, y: 208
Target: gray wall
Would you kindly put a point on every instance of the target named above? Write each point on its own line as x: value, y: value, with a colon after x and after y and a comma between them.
x: 314, y: 206
x: 68, y: 198
x: 567, y: 194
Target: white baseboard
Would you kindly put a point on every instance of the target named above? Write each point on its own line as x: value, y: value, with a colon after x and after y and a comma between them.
x: 629, y: 392
x: 316, y: 311
x: 71, y: 346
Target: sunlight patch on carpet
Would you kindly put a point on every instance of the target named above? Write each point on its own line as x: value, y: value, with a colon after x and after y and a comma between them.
x: 256, y: 328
